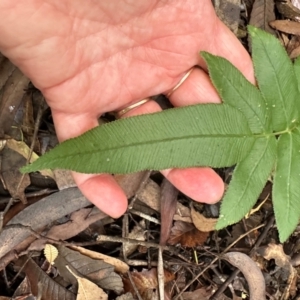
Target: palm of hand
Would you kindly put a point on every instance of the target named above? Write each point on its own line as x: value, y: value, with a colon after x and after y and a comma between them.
x: 102, y: 55
x: 99, y: 56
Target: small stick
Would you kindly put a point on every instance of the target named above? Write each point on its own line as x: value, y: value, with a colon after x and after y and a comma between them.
x: 144, y: 216
x: 160, y: 274
x: 134, y: 286
x: 35, y: 132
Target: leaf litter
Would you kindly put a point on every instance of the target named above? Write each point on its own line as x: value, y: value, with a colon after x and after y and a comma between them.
x: 190, y: 256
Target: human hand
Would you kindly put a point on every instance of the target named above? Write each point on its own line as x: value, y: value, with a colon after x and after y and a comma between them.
x: 92, y: 57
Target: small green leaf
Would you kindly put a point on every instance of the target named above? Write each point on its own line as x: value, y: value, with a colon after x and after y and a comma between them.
x: 248, y: 180
x: 238, y: 92
x: 201, y: 135
x: 286, y: 186
x: 276, y: 78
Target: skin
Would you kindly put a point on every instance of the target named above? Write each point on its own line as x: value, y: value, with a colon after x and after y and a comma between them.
x: 95, y: 56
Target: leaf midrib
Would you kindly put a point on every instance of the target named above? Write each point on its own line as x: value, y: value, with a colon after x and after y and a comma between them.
x: 253, y: 170
x: 278, y: 85
x: 191, y: 137
x: 247, y: 103
x: 289, y: 176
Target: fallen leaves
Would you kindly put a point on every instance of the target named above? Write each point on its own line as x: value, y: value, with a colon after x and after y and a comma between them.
x: 146, y: 282
x: 202, y: 223
x: 88, y: 290
x: 95, y: 270
x: 261, y: 15
x: 187, y: 235
x: 283, y: 261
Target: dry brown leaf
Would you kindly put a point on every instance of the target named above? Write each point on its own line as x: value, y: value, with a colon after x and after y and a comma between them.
x: 15, y: 182
x: 127, y: 296
x: 187, y: 235
x: 119, y: 265
x: 130, y: 183
x: 204, y: 294
x: 146, y: 282
x: 97, y: 271
x: 35, y: 217
x: 182, y: 213
x: 202, y: 223
x: 50, y: 289
x: 295, y: 52
x: 27, y: 118
x: 22, y: 148
x: 79, y: 221
x: 63, y: 179
x: 88, y: 290
x: 168, y: 201
x: 273, y: 251
x: 286, y: 26
x: 288, y: 10
x: 137, y: 233
x: 150, y: 196
x: 201, y: 293
x: 12, y: 85
x: 24, y: 288
x: 262, y: 13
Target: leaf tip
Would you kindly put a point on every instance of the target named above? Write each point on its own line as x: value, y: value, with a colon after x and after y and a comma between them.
x: 254, y: 31
x: 29, y: 168
x: 24, y: 169
x: 205, y: 55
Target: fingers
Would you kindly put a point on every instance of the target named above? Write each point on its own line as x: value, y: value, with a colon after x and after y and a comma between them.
x: 225, y: 44
x: 197, y: 88
x: 101, y: 189
x: 200, y: 184
x: 203, y: 184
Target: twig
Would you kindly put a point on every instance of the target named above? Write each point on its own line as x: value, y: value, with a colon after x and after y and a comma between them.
x: 20, y: 271
x: 105, y: 238
x: 160, y: 274
x: 5, y: 278
x: 145, y: 216
x: 140, y: 263
x: 35, y: 132
x: 134, y: 286
x: 7, y: 207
